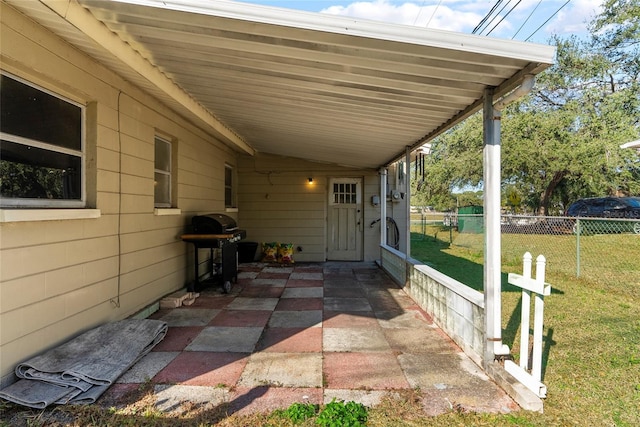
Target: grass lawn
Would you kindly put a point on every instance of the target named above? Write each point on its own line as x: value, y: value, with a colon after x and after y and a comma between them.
x: 591, y: 352
x: 591, y: 360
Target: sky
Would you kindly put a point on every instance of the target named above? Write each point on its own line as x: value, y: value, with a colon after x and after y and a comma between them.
x: 532, y: 20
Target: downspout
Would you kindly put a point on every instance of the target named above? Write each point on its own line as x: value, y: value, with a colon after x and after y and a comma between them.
x: 492, y: 206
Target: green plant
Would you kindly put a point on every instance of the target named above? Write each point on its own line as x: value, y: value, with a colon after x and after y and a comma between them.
x: 299, y: 412
x: 341, y: 414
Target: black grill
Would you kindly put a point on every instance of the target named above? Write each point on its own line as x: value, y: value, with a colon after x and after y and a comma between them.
x: 215, y: 231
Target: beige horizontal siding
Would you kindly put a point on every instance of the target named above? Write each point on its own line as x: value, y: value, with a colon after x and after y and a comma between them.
x: 59, y: 278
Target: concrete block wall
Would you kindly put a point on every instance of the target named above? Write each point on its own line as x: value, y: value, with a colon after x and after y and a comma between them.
x: 456, y: 308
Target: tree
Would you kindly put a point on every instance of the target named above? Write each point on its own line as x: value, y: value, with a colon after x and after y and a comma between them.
x: 562, y: 141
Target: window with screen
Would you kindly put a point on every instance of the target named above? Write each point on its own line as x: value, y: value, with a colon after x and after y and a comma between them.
x: 162, y: 173
x: 229, y: 189
x: 41, y: 147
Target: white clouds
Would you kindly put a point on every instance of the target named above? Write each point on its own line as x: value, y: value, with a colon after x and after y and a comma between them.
x: 574, y: 18
x: 409, y: 14
x: 464, y: 15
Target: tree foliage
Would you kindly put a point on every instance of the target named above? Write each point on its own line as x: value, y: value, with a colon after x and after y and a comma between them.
x: 562, y: 141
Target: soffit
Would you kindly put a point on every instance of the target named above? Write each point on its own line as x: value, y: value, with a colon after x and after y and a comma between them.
x: 317, y: 87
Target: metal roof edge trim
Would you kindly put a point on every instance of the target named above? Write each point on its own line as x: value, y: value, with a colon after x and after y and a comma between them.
x: 532, y: 52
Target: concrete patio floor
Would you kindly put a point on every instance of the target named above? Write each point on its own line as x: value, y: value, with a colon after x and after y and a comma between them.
x: 308, y: 333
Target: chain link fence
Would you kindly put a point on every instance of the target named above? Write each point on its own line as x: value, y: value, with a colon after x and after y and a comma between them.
x: 598, y: 249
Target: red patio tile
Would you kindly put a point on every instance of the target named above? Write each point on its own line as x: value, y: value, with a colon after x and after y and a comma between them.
x: 178, y: 337
x: 210, y: 301
x: 203, y: 368
x: 299, y: 304
x: 377, y: 371
x: 273, y: 275
x: 291, y: 340
x: 241, y: 318
x: 303, y: 283
x: 262, y: 291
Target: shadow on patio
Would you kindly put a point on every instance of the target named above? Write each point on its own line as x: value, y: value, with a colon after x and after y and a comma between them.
x: 306, y: 333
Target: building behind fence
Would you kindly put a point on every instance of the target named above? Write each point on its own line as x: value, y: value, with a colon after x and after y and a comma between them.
x: 597, y: 249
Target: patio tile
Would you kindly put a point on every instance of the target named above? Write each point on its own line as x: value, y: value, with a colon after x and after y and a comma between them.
x: 296, y: 319
x: 344, y: 292
x: 341, y: 282
x: 283, y: 370
x: 302, y: 292
x: 354, y: 339
x: 261, y: 292
x: 204, y: 369
x: 303, y: 283
x: 242, y: 303
x: 249, y: 400
x: 424, y: 340
x: 177, y: 338
x: 297, y: 304
x: 354, y: 319
x: 408, y: 319
x: 206, y: 300
x: 257, y: 318
x: 291, y: 340
x: 365, y: 397
x: 374, y: 371
x: 269, y: 282
x: 273, y: 275
x: 171, y: 398
x: 305, y: 275
x: 147, y: 367
x: 243, y: 274
x: 226, y: 339
x: 275, y: 268
x: 190, y: 316
x: 346, y: 304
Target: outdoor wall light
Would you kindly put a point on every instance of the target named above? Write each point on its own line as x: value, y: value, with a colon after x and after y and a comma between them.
x: 310, y: 180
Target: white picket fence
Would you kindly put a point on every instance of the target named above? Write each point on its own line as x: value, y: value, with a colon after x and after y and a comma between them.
x: 530, y: 376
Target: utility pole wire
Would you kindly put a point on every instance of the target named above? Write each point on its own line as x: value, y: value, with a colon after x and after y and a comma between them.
x: 545, y: 22
x: 504, y: 17
x: 433, y: 14
x: 526, y: 20
x: 483, y: 20
x: 496, y: 16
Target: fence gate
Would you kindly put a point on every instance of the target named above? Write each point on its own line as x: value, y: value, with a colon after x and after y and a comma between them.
x: 530, y: 376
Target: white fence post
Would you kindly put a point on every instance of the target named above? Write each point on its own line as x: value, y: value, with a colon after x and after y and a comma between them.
x: 531, y: 379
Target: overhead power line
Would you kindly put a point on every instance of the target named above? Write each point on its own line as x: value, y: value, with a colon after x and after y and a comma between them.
x: 545, y: 22
x: 526, y: 20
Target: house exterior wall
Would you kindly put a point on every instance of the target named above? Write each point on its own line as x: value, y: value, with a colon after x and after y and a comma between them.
x: 277, y: 204
x: 59, y: 278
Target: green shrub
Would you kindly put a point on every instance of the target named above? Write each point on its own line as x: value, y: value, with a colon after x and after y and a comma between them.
x: 341, y: 414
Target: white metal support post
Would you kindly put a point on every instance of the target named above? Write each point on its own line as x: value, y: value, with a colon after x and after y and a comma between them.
x: 383, y: 206
x: 407, y: 199
x: 492, y: 247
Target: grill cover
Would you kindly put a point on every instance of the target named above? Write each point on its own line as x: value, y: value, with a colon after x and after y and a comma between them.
x: 214, y: 223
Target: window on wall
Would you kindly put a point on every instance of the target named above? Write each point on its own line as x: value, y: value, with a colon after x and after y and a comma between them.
x: 162, y: 175
x: 41, y: 147
x: 229, y: 187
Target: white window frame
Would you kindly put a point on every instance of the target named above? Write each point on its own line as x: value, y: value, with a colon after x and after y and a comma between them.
x: 230, y: 186
x: 16, y: 139
x: 168, y: 173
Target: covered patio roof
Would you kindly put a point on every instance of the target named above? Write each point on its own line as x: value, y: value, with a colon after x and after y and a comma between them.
x: 298, y: 84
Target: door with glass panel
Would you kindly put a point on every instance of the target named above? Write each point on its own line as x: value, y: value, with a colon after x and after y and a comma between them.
x: 344, y: 216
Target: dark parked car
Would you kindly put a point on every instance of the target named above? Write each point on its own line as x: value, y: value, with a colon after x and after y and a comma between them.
x: 608, y: 207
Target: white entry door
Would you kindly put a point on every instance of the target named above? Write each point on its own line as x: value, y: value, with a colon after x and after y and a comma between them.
x: 345, y: 219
